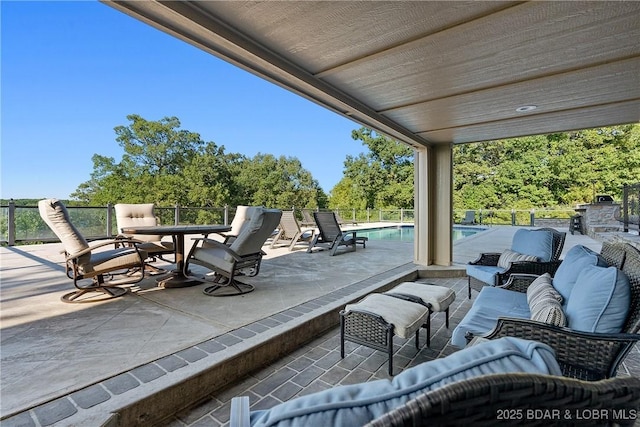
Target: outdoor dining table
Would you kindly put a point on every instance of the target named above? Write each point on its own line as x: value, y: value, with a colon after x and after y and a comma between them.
x: 177, y: 278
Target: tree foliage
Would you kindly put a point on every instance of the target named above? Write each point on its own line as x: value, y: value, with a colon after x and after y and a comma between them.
x: 381, y: 178
x: 164, y: 164
x: 547, y: 170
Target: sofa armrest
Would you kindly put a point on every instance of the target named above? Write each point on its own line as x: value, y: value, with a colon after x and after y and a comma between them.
x: 530, y: 267
x: 488, y: 258
x: 239, y: 415
x: 519, y: 282
x: 582, y: 355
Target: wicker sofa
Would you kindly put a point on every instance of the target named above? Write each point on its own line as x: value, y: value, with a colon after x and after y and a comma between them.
x: 358, y: 404
x: 521, y: 399
x: 590, y: 353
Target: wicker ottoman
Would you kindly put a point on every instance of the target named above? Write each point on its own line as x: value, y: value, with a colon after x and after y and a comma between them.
x: 374, y: 320
x: 435, y: 298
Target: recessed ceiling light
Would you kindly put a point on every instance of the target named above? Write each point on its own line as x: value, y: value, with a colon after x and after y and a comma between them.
x: 526, y: 108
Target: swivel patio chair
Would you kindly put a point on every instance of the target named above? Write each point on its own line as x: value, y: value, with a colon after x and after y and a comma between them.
x: 241, y: 218
x: 330, y: 236
x: 242, y: 257
x: 290, y: 232
x: 520, y: 399
x: 142, y: 214
x: 93, y: 262
x: 532, y: 252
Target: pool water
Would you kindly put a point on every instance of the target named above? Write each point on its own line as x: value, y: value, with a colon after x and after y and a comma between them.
x: 404, y: 233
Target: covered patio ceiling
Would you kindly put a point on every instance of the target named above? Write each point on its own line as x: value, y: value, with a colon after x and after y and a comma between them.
x: 430, y: 72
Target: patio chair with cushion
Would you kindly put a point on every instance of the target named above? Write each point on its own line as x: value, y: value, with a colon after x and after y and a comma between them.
x: 143, y: 214
x: 307, y: 218
x: 242, y: 257
x: 532, y: 252
x: 290, y: 233
x: 330, y: 236
x: 241, y: 218
x: 93, y: 262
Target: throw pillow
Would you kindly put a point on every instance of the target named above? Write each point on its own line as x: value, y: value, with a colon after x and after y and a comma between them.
x: 540, y: 287
x: 509, y: 256
x: 599, y: 301
x: 547, y: 309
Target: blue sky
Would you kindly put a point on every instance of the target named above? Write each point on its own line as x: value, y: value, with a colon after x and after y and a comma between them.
x: 72, y: 71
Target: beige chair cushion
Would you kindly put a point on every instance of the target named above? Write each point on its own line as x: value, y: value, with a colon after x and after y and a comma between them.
x: 406, y: 317
x: 257, y: 231
x: 135, y: 215
x: 541, y: 287
x: 439, y: 297
x: 55, y: 215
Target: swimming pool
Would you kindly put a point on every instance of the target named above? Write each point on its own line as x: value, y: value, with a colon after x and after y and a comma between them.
x: 404, y: 233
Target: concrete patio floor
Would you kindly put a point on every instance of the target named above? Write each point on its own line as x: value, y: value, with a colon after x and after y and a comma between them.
x: 64, y: 364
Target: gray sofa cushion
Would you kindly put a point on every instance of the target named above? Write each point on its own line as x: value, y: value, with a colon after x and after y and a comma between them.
x: 357, y: 404
x: 490, y: 304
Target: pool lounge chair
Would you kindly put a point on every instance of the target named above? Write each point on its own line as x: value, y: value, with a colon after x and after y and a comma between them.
x: 330, y: 236
x: 307, y: 218
x: 469, y: 218
x: 290, y: 232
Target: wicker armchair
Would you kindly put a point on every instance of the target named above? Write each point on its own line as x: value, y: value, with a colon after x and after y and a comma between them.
x: 520, y: 267
x: 587, y: 356
x: 521, y: 399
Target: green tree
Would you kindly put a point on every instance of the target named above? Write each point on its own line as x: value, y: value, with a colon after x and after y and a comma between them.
x: 156, y: 154
x: 380, y: 178
x: 163, y: 164
x: 277, y: 182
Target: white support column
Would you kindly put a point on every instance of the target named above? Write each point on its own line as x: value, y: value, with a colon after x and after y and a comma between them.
x: 421, y: 215
x: 433, y: 203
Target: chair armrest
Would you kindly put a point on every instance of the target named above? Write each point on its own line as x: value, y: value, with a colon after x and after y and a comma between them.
x: 530, y: 267
x: 519, y: 282
x: 582, y: 355
x: 239, y: 415
x: 488, y: 258
x: 218, y: 245
x: 102, y: 243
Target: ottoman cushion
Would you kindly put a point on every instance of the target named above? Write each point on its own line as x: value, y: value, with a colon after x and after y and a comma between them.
x: 406, y: 317
x: 440, y: 297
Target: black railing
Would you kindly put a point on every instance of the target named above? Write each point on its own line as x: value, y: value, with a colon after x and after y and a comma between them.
x: 631, y: 207
x: 22, y: 224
